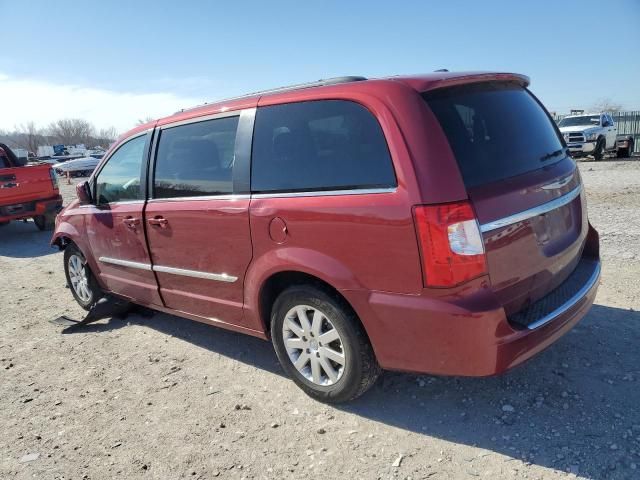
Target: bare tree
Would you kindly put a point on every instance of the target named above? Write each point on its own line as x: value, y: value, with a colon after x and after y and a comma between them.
x: 70, y: 131
x: 28, y: 136
x: 142, y: 121
x: 106, y: 136
x: 606, y: 105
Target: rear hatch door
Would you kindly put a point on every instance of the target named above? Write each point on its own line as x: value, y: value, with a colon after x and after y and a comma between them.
x: 525, y: 189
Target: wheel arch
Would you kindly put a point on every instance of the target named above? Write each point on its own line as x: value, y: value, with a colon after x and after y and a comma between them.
x: 279, y: 281
x: 64, y: 234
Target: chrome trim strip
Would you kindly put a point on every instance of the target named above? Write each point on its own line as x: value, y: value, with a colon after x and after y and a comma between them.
x: 569, y: 303
x: 220, y: 277
x: 325, y: 193
x: 202, y: 198
x: 125, y: 263
x: 532, y: 212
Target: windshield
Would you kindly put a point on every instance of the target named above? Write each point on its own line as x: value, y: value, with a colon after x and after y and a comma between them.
x: 495, y: 130
x: 582, y: 120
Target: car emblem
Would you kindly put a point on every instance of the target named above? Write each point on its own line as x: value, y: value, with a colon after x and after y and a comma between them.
x: 558, y: 184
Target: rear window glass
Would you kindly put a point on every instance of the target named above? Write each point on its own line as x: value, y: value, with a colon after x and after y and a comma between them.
x: 496, y: 131
x: 319, y: 145
x: 196, y: 159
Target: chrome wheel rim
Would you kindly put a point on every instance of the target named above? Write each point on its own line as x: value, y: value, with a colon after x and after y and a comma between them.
x: 78, y: 278
x: 314, y: 345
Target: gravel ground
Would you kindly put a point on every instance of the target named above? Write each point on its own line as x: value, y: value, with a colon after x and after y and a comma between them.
x: 163, y: 397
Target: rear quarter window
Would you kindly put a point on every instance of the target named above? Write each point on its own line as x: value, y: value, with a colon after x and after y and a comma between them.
x: 319, y: 145
x: 495, y: 130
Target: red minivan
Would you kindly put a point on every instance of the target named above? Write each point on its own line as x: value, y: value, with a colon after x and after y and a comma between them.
x: 433, y: 223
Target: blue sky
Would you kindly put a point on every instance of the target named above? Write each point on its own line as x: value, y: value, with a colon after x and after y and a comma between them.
x: 116, y: 61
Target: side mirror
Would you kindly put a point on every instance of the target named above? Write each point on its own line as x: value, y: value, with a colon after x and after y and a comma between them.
x: 83, y: 193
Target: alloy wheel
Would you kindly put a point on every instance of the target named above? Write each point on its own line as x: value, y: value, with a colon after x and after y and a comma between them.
x: 79, y: 278
x: 314, y: 345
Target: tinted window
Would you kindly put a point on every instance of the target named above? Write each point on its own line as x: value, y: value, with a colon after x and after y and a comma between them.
x: 496, y: 131
x: 119, y: 179
x: 322, y: 145
x: 196, y: 159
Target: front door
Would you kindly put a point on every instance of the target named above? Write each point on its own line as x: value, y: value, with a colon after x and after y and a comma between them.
x: 197, y: 227
x: 115, y: 224
x: 611, y: 132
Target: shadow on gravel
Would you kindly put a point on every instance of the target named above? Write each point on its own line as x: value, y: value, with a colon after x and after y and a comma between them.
x: 575, y: 407
x: 21, y: 239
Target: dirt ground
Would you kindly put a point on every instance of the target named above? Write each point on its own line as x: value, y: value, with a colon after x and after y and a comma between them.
x: 168, y: 398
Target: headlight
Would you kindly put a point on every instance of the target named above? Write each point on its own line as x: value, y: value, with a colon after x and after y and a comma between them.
x: 591, y: 136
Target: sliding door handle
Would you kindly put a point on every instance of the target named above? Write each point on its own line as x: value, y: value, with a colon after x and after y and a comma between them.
x: 158, y: 222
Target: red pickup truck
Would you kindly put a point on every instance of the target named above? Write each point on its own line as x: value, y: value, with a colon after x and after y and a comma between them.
x: 27, y: 191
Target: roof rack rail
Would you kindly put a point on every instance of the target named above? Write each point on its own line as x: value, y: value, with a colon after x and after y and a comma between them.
x: 299, y: 86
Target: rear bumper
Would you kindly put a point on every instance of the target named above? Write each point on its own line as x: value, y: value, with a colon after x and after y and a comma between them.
x: 51, y: 205
x: 465, y: 334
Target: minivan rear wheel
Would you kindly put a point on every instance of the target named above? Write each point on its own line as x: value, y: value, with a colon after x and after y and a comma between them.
x: 80, y: 279
x: 321, y: 345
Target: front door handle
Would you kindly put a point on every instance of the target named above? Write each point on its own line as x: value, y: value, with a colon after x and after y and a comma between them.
x: 158, y: 222
x: 131, y: 222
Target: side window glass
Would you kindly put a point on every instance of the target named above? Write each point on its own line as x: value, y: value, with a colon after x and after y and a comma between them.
x: 196, y: 159
x: 119, y: 179
x: 319, y: 145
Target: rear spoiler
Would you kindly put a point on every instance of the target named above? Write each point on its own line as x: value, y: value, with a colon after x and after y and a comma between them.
x: 13, y: 160
x: 522, y: 80
x: 450, y: 79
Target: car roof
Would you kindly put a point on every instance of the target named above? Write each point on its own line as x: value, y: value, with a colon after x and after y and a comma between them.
x: 420, y: 83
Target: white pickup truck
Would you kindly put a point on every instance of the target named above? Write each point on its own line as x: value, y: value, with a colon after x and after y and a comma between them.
x: 589, y: 134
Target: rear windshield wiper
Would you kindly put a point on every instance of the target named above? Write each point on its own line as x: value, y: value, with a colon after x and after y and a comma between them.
x: 552, y: 154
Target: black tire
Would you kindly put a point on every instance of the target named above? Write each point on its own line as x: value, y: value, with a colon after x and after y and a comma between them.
x: 92, y: 285
x: 44, y: 222
x: 622, y: 153
x: 598, y: 153
x: 360, y: 370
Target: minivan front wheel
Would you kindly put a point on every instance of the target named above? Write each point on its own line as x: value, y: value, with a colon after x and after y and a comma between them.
x: 321, y: 345
x: 83, y: 285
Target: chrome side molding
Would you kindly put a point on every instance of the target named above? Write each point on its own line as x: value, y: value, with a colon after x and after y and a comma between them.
x: 219, y: 277
x: 125, y: 263
x: 532, y: 212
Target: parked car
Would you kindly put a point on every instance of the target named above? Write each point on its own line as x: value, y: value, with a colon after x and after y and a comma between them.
x: 624, y: 145
x: 80, y: 167
x: 589, y: 134
x: 429, y: 224
x: 27, y: 191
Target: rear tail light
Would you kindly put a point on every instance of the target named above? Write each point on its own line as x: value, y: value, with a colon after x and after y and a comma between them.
x: 451, y: 244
